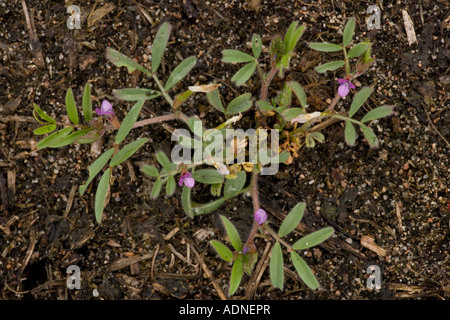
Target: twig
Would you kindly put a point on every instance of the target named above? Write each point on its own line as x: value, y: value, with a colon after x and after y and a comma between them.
x: 34, y: 41
x: 153, y: 261
x: 70, y: 200
x: 209, y: 275
x: 434, y: 127
x: 126, y: 262
x: 257, y: 273
x: 33, y: 241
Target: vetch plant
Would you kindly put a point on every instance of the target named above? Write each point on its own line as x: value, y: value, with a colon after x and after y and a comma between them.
x: 227, y: 159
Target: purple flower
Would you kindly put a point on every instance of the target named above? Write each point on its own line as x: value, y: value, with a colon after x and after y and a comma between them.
x: 344, y: 87
x: 187, y: 180
x: 105, y: 109
x: 260, y: 216
x: 245, y: 249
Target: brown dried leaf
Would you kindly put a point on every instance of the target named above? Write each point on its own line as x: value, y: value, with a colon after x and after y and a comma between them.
x: 409, y: 28
x: 98, y: 14
x: 369, y: 243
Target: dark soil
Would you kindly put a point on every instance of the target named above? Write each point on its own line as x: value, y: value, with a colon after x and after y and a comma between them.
x: 146, y: 249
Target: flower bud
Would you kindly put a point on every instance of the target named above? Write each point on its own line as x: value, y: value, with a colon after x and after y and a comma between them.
x: 260, y: 216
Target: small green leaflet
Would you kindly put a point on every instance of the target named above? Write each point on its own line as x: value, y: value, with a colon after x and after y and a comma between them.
x: 313, y: 239
x: 350, y: 133
x: 121, y: 60
x: 95, y: 168
x: 129, y: 121
x: 358, y: 49
x: 244, y: 73
x: 240, y: 104
x: 87, y: 102
x: 159, y: 45
x: 180, y: 72
x: 73, y: 137
x: 325, y: 46
x: 304, y: 271
x: 292, y: 219
x: 222, y: 250
x: 329, y: 66
x: 164, y: 161
x: 127, y: 151
x: 256, y: 45
x: 101, y: 194
x: 216, y: 189
x: 45, y: 129
x: 209, y: 207
x: 291, y: 113
x: 292, y: 36
x: 156, y: 189
x: 71, y: 107
x: 312, y: 137
x: 54, y: 137
x: 234, y: 186
x: 170, y: 185
x: 349, y: 30
x: 214, y: 100
x: 264, y: 105
x: 299, y: 92
x: 378, y: 113
x: 369, y: 135
x: 231, y: 56
x: 181, y: 98
x: 135, y: 94
x: 150, y: 170
x: 276, y: 266
x: 186, y: 201
x: 359, y: 99
x: 236, y: 275
x: 91, y: 137
x: 42, y: 115
x: 208, y: 176
x: 232, y: 233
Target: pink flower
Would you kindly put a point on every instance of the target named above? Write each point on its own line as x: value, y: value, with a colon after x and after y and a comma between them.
x: 105, y: 109
x: 187, y: 180
x: 260, y: 216
x: 345, y: 86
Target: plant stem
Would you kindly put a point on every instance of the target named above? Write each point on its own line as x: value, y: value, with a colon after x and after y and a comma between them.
x: 341, y: 117
x: 347, y: 63
x: 277, y: 237
x: 266, y: 83
x: 163, y: 91
x: 146, y: 122
x: 334, y: 102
